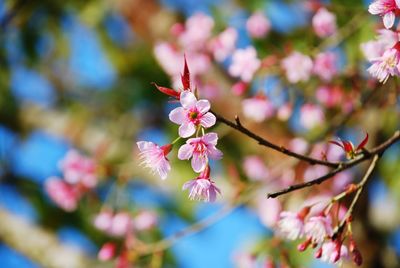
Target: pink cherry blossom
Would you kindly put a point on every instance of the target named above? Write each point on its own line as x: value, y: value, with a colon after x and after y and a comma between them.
x: 269, y: 210
x: 79, y: 169
x: 255, y: 168
x: 66, y: 196
x: 386, y: 9
x: 325, y: 65
x: 330, y: 96
x: 258, y: 25
x: 385, y: 66
x: 239, y: 88
x: 298, y: 145
x: 317, y: 228
x: 107, y: 251
x: 103, y: 220
x: 332, y: 252
x: 154, y: 157
x: 197, y: 30
x: 224, y: 44
x: 144, y: 220
x: 192, y: 114
x: 311, y: 115
x: 202, y: 188
x: 290, y: 225
x: 121, y: 224
x: 372, y: 49
x: 285, y: 111
x: 297, y: 66
x: 324, y: 23
x: 244, y: 64
x: 257, y: 108
x: 200, y: 149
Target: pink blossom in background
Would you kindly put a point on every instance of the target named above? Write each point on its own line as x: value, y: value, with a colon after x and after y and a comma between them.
x: 298, y: 145
x: 145, y: 220
x: 325, y: 65
x: 258, y: 25
x: 332, y: 252
x: 244, y: 260
x: 239, y: 88
x: 372, y: 49
x: 317, y: 228
x: 385, y: 66
x: 169, y: 58
x: 341, y: 180
x: 290, y: 225
x: 200, y: 149
x: 269, y: 210
x: 197, y: 31
x: 79, y: 169
x: 298, y: 67
x: 311, y: 115
x: 255, y: 168
x: 388, y: 38
x: 324, y: 23
x: 103, y: 220
x: 192, y: 114
x: 121, y: 224
x: 224, y: 44
x: 257, y: 108
x: 313, y: 172
x: 285, y: 111
x: 317, y: 203
x: 154, y: 157
x: 107, y: 251
x: 202, y: 188
x: 330, y: 96
x: 244, y: 64
x: 65, y: 196
x: 386, y: 9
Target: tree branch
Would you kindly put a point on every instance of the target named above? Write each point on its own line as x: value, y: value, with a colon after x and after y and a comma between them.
x: 343, y: 166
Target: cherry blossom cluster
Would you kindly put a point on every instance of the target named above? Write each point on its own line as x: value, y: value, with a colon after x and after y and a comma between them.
x: 316, y: 228
x: 193, y: 117
x: 384, y: 53
x: 121, y: 225
x: 79, y: 176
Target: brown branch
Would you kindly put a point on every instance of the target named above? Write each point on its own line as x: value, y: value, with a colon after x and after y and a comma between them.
x: 378, y: 150
x: 239, y: 127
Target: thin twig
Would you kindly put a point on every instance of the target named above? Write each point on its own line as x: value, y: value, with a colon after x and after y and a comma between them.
x: 239, y: 127
x: 343, y: 166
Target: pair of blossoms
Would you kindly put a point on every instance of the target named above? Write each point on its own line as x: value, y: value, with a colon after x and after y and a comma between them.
x: 193, y: 117
x: 384, y: 54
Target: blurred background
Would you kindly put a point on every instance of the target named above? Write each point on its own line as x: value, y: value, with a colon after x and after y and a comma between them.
x: 78, y: 74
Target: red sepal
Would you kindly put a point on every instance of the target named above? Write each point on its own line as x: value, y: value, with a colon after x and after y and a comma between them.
x: 168, y: 91
x: 185, y: 77
x: 363, y: 143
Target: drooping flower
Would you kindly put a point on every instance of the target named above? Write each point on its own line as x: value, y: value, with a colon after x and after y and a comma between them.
x: 325, y: 65
x: 387, y: 65
x: 144, y: 220
x: 107, y: 251
x: 297, y: 66
x: 317, y: 228
x: 121, y: 224
x: 103, y: 220
x: 200, y: 149
x: 202, y: 188
x: 255, y: 168
x: 332, y: 252
x: 386, y: 9
x: 244, y: 64
x: 79, y: 169
x: 324, y: 23
x: 65, y: 195
x: 192, y: 114
x: 258, y: 25
x: 258, y: 108
x: 155, y: 157
x: 224, y: 44
x: 291, y: 225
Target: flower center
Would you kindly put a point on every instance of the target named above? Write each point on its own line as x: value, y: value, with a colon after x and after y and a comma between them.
x: 193, y: 115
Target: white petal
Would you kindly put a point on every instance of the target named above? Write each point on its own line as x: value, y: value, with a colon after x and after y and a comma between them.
x: 177, y: 115
x: 203, y: 106
x: 187, y: 129
x: 208, y: 120
x: 188, y: 100
x: 388, y: 20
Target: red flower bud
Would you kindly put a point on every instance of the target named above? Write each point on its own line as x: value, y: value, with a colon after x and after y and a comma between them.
x: 357, y: 258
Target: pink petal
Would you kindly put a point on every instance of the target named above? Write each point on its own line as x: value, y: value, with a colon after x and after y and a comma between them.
x: 199, y: 162
x: 185, y: 152
x: 398, y: 3
x: 203, y: 106
x: 177, y: 115
x: 388, y: 20
x: 210, y: 138
x: 144, y: 145
x: 214, y: 153
x: 188, y: 100
x: 208, y: 120
x: 187, y: 129
x: 376, y: 8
